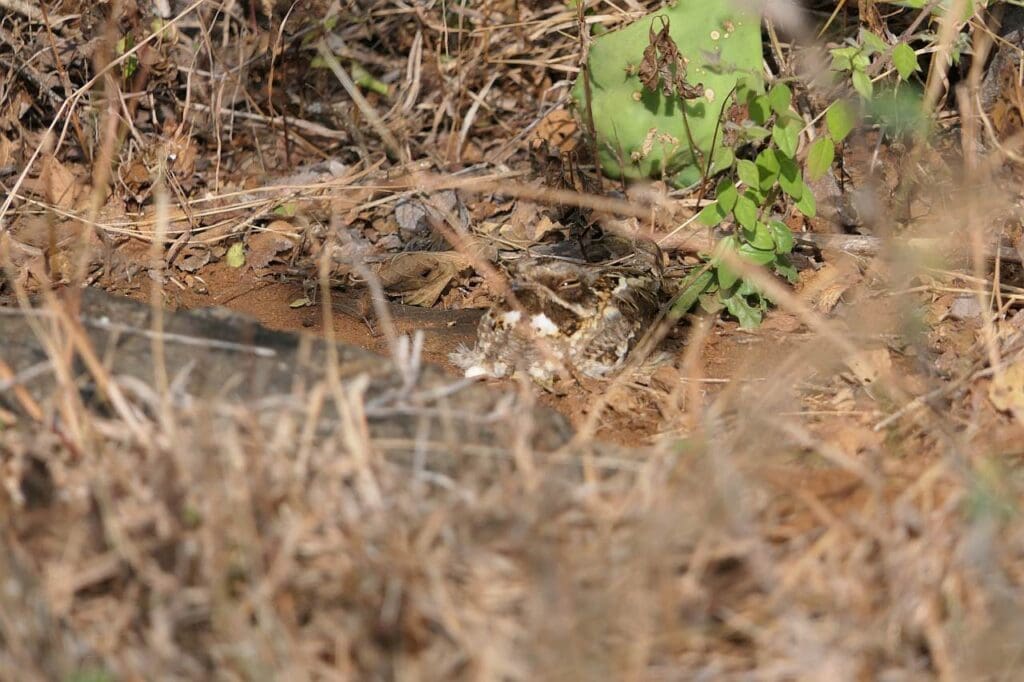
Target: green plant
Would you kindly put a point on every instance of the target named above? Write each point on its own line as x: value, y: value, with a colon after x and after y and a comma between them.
x: 654, y: 93
x: 749, y: 197
x: 774, y: 174
x: 855, y: 58
x: 130, y: 65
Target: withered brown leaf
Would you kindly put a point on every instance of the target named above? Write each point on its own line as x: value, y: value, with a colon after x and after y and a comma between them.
x: 662, y: 67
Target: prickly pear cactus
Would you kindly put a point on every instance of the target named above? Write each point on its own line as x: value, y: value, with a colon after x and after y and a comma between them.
x: 643, y: 132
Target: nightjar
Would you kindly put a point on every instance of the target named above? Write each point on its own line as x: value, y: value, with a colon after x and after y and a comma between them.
x: 567, y: 316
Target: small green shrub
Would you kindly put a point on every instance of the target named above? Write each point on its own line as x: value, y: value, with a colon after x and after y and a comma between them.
x: 748, y: 197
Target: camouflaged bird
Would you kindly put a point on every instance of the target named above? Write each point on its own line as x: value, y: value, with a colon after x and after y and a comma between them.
x: 567, y: 316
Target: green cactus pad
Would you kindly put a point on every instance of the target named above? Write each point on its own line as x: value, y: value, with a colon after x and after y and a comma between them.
x: 643, y: 134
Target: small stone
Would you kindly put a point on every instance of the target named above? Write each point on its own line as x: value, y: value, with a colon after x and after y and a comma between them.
x: 965, y: 308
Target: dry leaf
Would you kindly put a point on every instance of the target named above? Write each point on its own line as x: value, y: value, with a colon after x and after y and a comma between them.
x: 6, y: 152
x: 193, y: 257
x: 663, y: 66
x: 56, y: 183
x: 420, y: 277
x: 825, y: 288
x: 558, y: 131
x: 264, y: 246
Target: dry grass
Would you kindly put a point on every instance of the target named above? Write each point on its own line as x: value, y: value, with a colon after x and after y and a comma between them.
x: 843, y: 506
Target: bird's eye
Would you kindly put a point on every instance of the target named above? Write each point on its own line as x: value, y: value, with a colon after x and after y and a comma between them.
x: 569, y: 284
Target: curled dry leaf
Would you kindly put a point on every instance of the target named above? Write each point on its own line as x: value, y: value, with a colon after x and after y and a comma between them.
x: 825, y: 288
x: 558, y: 131
x: 664, y: 68
x: 265, y: 246
x: 181, y: 158
x: 420, y: 277
x: 55, y: 182
x: 193, y: 257
x: 6, y: 152
x: 521, y: 223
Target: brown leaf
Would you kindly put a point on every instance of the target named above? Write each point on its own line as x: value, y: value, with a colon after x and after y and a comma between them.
x: 557, y: 130
x: 263, y: 247
x: 193, y: 257
x: 6, y: 152
x: 663, y: 67
x: 420, y: 277
x: 56, y: 183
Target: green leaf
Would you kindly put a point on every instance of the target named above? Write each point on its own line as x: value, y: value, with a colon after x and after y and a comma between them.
x: 790, y: 179
x: 862, y: 83
x: 786, y: 269
x: 760, y: 237
x: 235, y: 257
x: 130, y: 65
x: 842, y: 58
x: 727, y: 197
x: 749, y: 317
x: 753, y: 294
x: 711, y: 303
x: 779, y: 98
x: 898, y: 112
x: 89, y: 675
x: 755, y: 255
x: 365, y: 79
x: 872, y: 43
x: 786, y: 137
x: 723, y: 158
x: 712, y: 214
x: 746, y: 212
x: 759, y: 109
x: 692, y: 287
x: 748, y: 85
x: 744, y: 90
x: 840, y: 119
x: 806, y: 204
x: 768, y: 168
x: 905, y: 60
x: 820, y: 157
x: 724, y: 275
x: 782, y: 236
x: 748, y: 173
x: 756, y: 195
x: 287, y: 210
x: 755, y: 132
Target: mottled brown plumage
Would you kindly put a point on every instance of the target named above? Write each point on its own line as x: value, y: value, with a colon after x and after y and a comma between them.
x: 567, y: 316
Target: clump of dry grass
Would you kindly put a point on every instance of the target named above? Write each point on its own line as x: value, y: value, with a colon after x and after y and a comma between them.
x: 225, y: 538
